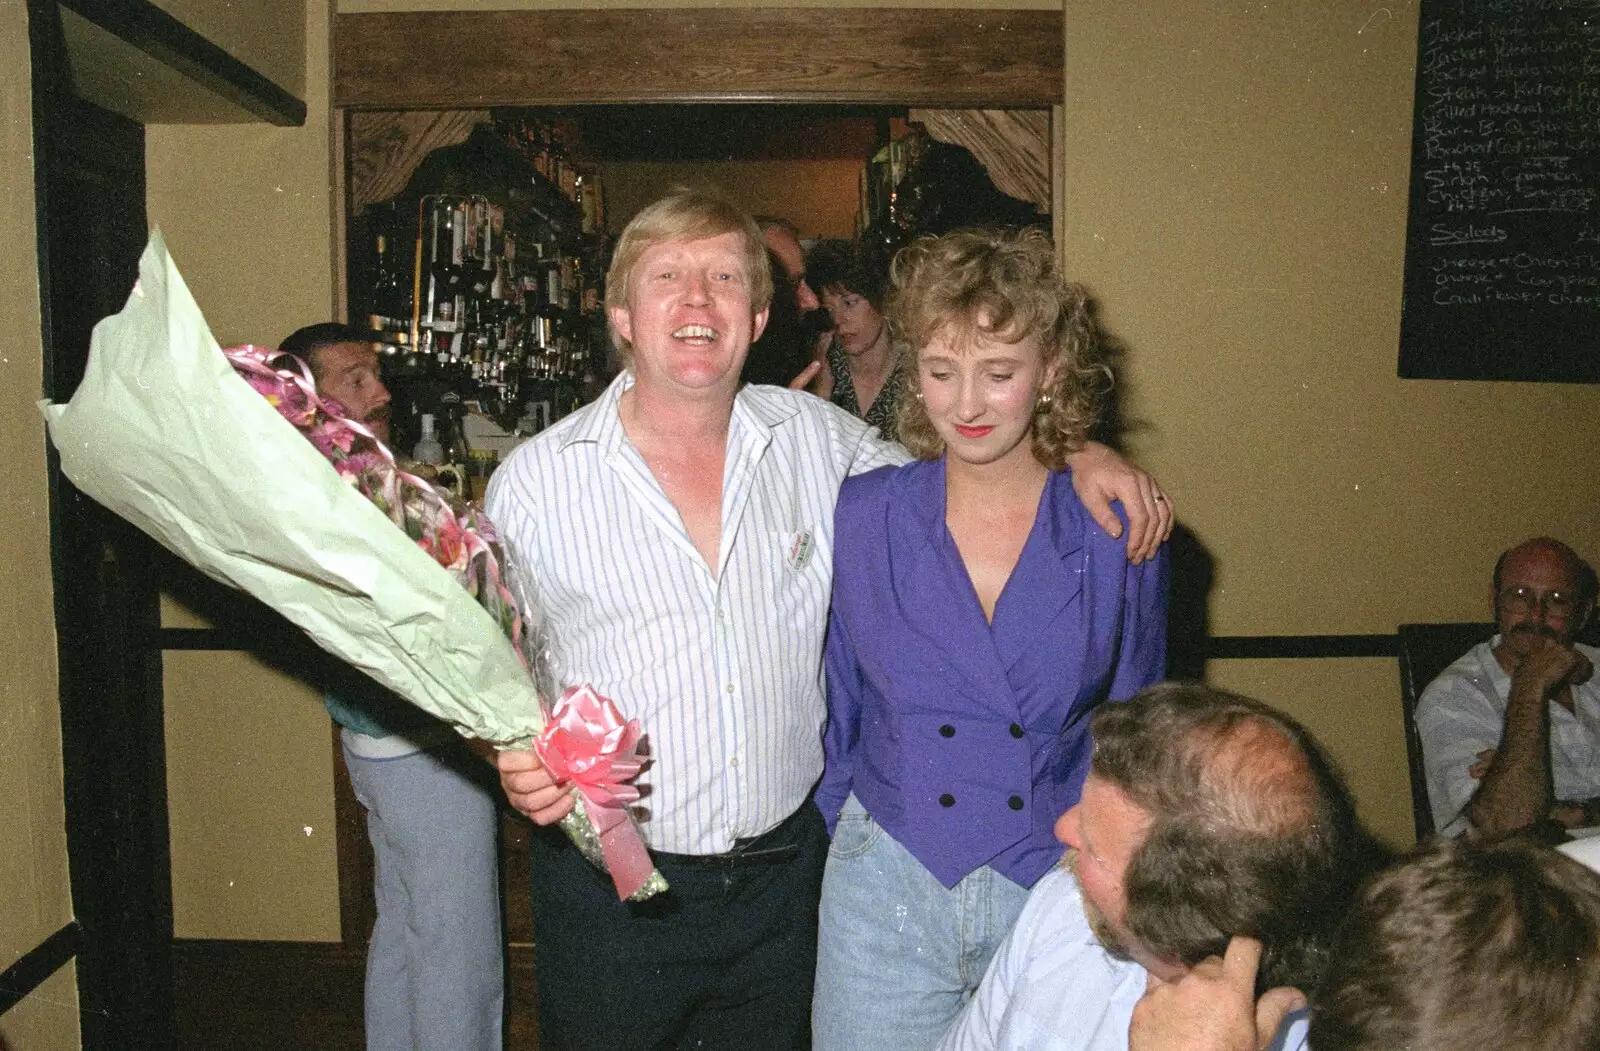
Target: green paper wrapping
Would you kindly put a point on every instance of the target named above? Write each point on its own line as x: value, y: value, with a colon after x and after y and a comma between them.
x: 164, y: 433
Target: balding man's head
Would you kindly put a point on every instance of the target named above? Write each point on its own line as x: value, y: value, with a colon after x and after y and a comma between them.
x: 1251, y: 832
x: 1541, y: 588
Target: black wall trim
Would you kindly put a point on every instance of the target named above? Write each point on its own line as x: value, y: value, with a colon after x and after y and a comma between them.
x: 1245, y: 647
x: 167, y: 40
x: 38, y: 964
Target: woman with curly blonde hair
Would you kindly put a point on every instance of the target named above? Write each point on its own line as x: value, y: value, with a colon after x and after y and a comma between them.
x: 979, y: 615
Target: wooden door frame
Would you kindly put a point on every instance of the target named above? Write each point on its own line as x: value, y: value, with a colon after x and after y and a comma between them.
x: 106, y: 612
x: 928, y: 57
x: 105, y: 574
x: 960, y: 58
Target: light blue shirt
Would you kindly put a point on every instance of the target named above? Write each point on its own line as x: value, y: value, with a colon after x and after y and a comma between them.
x: 722, y: 669
x: 1052, y: 987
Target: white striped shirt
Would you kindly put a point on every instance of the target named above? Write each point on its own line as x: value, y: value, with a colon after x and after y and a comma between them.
x: 724, y: 671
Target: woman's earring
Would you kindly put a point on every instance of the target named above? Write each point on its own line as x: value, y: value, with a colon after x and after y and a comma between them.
x: 1045, y: 398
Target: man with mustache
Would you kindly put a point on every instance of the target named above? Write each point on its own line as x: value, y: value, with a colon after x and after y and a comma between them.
x: 435, y: 962
x: 344, y: 363
x: 1207, y: 820
x: 1511, y: 731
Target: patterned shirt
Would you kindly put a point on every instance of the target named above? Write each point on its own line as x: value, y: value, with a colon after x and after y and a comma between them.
x: 723, y: 670
x: 1463, y: 712
x: 881, y: 414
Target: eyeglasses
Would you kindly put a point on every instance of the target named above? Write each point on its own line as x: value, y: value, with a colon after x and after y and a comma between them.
x: 1523, y: 599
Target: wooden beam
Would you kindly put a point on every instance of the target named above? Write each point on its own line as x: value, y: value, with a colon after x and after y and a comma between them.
x: 170, y: 42
x: 473, y: 59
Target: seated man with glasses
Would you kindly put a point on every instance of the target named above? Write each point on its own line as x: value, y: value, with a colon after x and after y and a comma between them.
x: 1511, y: 731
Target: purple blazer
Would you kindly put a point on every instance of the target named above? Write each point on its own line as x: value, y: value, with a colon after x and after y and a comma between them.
x: 964, y: 740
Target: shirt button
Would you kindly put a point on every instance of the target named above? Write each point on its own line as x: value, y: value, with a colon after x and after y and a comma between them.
x: 1015, y: 802
x: 1016, y: 731
x: 947, y: 730
x: 947, y: 800
x: 735, y: 762
x: 730, y: 687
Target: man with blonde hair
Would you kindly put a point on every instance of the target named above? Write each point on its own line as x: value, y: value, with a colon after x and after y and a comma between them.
x: 679, y: 530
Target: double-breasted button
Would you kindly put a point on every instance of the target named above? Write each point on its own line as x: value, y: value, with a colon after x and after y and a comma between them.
x: 1015, y: 802
x: 947, y: 730
x: 1016, y: 731
x: 947, y: 800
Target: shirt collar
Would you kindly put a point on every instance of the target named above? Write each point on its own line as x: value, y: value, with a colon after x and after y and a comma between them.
x: 923, y: 487
x: 602, y: 425
x: 760, y: 409
x: 756, y: 410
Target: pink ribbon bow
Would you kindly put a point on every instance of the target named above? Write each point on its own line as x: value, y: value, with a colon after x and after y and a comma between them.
x: 587, y: 744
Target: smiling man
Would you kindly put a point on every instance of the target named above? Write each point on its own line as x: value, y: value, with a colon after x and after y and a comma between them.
x: 1207, y: 818
x: 679, y: 530
x: 1511, y: 731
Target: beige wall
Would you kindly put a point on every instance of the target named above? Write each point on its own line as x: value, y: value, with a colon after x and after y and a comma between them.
x: 246, y: 212
x: 1236, y: 194
x: 269, y: 36
x: 250, y: 784
x: 1235, y: 181
x: 821, y: 197
x: 35, y: 897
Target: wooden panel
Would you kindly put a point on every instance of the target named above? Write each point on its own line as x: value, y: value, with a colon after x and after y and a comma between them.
x: 266, y: 996
x: 526, y: 58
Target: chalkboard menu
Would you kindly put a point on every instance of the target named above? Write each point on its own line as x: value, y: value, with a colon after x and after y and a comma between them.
x: 1502, y: 273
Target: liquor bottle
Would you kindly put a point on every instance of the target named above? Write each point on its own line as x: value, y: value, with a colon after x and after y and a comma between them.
x: 457, y: 272
x: 561, y: 171
x: 553, y: 313
x: 388, y: 289
x: 428, y: 449
x: 585, y: 203
x: 430, y: 306
x: 456, y: 449
x: 444, y: 273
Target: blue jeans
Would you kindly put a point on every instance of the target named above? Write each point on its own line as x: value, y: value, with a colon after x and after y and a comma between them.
x: 435, y: 970
x: 898, y: 954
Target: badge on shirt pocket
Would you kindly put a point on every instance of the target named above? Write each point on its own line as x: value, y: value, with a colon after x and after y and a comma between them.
x: 801, y: 548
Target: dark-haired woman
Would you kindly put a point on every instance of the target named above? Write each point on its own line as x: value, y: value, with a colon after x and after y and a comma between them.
x: 861, y: 357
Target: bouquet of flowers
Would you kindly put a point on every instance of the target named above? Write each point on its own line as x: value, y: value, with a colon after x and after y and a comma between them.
x: 200, y: 450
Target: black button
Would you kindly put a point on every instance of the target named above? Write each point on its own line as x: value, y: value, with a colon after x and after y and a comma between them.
x: 1015, y: 802
x: 947, y: 730
x: 947, y: 800
x: 1016, y: 731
